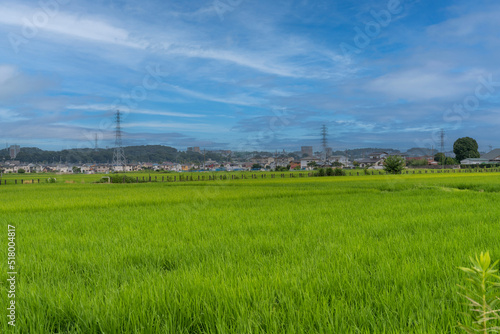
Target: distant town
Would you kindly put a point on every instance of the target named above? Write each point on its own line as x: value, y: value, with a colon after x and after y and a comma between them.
x: 16, y: 159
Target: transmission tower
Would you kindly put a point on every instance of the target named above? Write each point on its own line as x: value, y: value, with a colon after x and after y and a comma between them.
x: 118, y: 153
x: 442, y: 147
x: 324, y: 140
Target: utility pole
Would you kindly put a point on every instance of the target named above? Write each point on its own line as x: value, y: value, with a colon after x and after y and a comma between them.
x: 204, y: 152
x: 118, y: 153
x: 324, y: 140
x: 442, y: 147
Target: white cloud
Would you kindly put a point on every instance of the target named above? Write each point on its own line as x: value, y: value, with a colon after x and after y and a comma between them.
x: 7, y: 115
x: 207, y: 128
x: 468, y: 25
x: 425, y: 83
x: 242, y: 100
x: 109, y: 108
x: 14, y: 83
x: 66, y: 24
x: 183, y: 43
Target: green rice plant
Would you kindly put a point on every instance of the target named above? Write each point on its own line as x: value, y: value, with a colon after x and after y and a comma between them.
x: 51, y: 180
x: 482, y: 295
x: 353, y: 254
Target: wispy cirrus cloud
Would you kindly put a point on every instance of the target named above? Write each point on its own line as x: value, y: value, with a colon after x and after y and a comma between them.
x: 221, y: 80
x: 110, y: 108
x: 66, y: 24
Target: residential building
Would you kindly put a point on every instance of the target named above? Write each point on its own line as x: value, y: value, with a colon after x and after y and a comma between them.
x: 492, y: 156
x: 306, y: 151
x: 305, y: 161
x: 340, y: 159
x: 14, y: 151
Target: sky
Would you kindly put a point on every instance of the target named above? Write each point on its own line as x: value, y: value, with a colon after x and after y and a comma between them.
x: 249, y: 75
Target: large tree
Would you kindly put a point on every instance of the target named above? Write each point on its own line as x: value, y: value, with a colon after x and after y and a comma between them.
x: 464, y: 148
x: 394, y: 164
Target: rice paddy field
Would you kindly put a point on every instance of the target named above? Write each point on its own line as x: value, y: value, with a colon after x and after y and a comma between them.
x: 353, y: 254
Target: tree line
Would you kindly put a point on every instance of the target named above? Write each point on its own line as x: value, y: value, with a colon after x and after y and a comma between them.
x: 147, y: 153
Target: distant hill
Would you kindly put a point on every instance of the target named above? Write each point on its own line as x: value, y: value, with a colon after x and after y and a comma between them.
x: 420, y: 151
x: 147, y: 153
x: 360, y: 153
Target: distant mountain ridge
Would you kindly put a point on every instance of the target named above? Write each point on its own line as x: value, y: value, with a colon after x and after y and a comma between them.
x: 147, y: 153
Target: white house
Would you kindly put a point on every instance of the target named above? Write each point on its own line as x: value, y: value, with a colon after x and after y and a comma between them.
x: 304, y: 162
x: 339, y: 158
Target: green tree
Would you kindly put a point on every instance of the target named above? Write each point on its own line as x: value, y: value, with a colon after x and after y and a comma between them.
x: 450, y: 161
x: 256, y: 166
x: 394, y: 164
x: 418, y: 162
x: 21, y: 171
x: 439, y: 157
x: 312, y: 164
x: 465, y: 147
x: 338, y: 172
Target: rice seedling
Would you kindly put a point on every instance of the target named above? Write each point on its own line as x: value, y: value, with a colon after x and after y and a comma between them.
x: 482, y: 295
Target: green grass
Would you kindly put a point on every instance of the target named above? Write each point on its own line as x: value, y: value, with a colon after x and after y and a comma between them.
x: 367, y: 254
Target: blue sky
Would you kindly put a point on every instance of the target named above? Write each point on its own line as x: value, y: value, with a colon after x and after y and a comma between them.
x: 249, y: 75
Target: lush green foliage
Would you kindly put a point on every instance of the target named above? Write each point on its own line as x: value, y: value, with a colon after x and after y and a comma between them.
x: 464, y: 148
x: 147, y: 153
x: 418, y: 162
x: 394, y: 164
x: 439, y: 157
